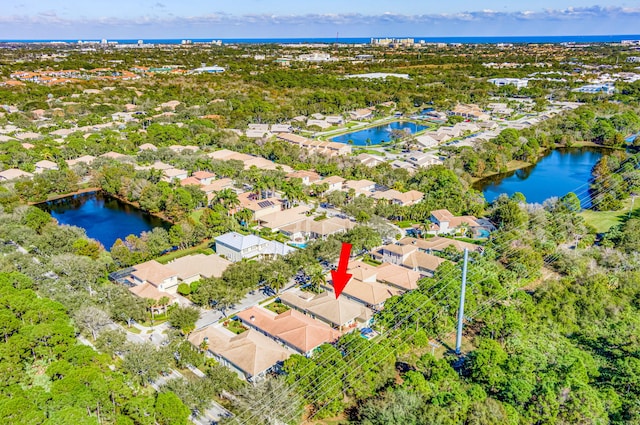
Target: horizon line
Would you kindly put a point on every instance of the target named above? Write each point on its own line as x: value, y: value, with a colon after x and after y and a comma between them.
x: 76, y: 39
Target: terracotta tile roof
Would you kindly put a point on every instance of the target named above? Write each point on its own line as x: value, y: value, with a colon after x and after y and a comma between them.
x: 250, y: 351
x: 292, y: 327
x: 371, y: 293
x: 153, y: 272
x: 398, y: 276
x: 445, y: 215
x: 199, y: 264
x: 439, y: 243
x: 218, y: 185
x: 147, y: 290
x: 203, y: 175
x: 424, y: 261
x: 13, y: 173
x: 362, y: 271
x: 333, y: 180
x: 190, y: 181
x: 325, y: 306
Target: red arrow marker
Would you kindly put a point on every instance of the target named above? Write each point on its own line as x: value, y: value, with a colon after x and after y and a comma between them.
x: 341, y: 277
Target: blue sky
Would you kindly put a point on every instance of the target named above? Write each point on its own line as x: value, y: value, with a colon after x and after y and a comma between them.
x: 85, y: 19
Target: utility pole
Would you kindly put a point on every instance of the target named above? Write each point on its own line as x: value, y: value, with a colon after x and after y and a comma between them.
x: 463, y: 288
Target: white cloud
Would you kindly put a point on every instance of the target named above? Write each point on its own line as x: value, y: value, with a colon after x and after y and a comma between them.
x: 482, y: 20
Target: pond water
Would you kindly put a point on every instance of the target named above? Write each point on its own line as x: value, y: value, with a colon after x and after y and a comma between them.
x: 558, y: 173
x: 104, y: 218
x: 379, y: 134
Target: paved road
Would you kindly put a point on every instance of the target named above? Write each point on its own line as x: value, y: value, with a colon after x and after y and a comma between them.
x: 208, y: 317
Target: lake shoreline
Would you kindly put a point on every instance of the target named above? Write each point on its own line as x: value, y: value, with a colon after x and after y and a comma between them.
x: 516, y: 165
x: 88, y: 190
x: 558, y: 172
x: 66, y: 195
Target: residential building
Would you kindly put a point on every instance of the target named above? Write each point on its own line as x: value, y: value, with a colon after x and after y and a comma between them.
x: 409, y: 256
x: 250, y: 354
x: 361, y: 114
x: 334, y: 120
x: 316, y: 146
x: 45, y: 165
x: 471, y: 112
x: 426, y: 141
x: 204, y: 177
x: 147, y: 147
x: 190, y: 181
x: 277, y: 220
x: 174, y: 173
x: 517, y: 82
x: 439, y: 244
x: 341, y: 314
x: 361, y: 187
x: 607, y: 88
x: 308, y: 228
x: 259, y: 207
x: 13, y: 173
x: 259, y: 127
x: 334, y: 182
x: 29, y: 135
x: 172, y: 104
x: 113, y: 155
x: 85, y: 159
x: 424, y: 160
x: 237, y: 247
x: 400, y: 198
x: 397, y: 276
x: 162, y: 277
x: 363, y: 287
x: 369, y: 160
x: 281, y: 128
x: 291, y: 328
x: 443, y: 222
x: 322, y: 124
x: 208, y: 70
x: 182, y: 148
x: 308, y: 177
x: 192, y: 268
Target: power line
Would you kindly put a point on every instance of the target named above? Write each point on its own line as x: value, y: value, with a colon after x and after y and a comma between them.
x: 403, y: 320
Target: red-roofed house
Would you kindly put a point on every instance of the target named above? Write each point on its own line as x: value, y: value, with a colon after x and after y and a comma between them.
x: 291, y: 328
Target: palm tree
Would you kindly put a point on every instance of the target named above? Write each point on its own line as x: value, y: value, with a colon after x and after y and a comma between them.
x: 293, y: 192
x: 152, y: 304
x: 320, y: 189
x: 244, y: 216
x: 228, y: 199
x: 164, y: 302
x: 317, y: 277
x: 259, y: 187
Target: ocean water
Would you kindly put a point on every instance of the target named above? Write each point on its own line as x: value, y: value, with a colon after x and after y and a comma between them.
x: 366, y: 40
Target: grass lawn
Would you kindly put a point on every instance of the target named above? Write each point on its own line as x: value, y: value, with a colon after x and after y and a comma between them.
x: 604, y: 220
x: 197, y: 214
x: 370, y: 261
x: 276, y: 307
x: 235, y: 326
x: 369, y: 151
x: 202, y: 248
x: 404, y: 224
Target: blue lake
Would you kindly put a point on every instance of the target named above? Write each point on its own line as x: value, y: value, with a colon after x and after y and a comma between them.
x: 558, y: 173
x: 377, y: 135
x: 104, y: 218
x: 632, y: 138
